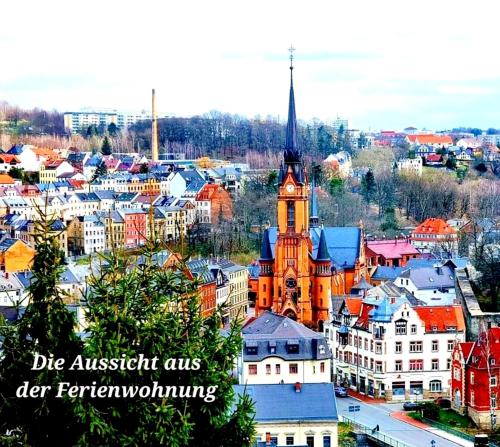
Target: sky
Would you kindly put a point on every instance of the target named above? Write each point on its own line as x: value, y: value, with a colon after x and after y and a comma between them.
x: 380, y: 64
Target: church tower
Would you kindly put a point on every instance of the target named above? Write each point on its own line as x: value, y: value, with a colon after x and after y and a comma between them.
x: 285, y: 284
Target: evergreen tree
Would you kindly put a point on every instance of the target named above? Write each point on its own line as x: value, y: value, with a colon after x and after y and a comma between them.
x: 368, y: 186
x: 390, y: 222
x: 133, y: 308
x: 47, y: 328
x: 100, y: 171
x: 112, y: 129
x: 106, y: 146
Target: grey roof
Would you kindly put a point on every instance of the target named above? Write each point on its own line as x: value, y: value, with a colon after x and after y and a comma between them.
x: 272, y: 327
x: 430, y: 277
x: 315, y: 401
x: 383, y: 273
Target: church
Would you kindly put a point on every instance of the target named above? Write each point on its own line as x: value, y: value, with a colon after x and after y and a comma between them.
x: 302, y: 263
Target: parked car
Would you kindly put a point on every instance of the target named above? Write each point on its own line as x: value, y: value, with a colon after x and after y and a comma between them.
x: 443, y: 402
x: 340, y: 391
x: 411, y: 406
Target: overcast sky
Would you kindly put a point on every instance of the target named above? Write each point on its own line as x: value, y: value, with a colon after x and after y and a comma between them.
x: 380, y: 64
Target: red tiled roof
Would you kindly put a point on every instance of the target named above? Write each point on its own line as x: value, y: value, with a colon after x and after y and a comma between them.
x: 430, y: 139
x: 392, y: 249
x: 363, y: 320
x: 487, y: 344
x: 441, y: 318
x: 208, y: 190
x: 434, y: 157
x: 8, y: 158
x: 433, y: 226
x: 353, y: 305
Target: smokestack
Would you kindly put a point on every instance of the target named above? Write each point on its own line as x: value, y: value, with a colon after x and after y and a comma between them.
x: 298, y: 387
x: 154, y: 129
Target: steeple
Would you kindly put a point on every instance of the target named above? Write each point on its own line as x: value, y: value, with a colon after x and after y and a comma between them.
x: 266, y: 254
x: 292, y: 152
x: 323, y: 254
x: 314, y: 218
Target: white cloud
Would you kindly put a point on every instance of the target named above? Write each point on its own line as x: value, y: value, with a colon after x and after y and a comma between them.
x: 377, y: 63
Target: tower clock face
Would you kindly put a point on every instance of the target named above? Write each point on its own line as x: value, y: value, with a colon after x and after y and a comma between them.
x: 290, y: 188
x: 291, y: 283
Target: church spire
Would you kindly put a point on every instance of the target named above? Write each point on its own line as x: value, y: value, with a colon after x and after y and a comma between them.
x: 292, y: 152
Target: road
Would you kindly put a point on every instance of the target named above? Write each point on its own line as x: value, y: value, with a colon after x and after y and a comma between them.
x: 373, y: 414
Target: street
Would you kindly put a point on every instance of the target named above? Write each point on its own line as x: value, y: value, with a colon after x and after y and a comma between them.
x: 373, y: 414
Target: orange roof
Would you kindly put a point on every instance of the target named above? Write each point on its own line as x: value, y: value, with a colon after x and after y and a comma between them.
x: 353, y: 305
x: 434, y: 226
x: 8, y: 158
x: 208, y: 191
x: 430, y: 139
x: 441, y: 318
x: 6, y: 179
x: 45, y: 152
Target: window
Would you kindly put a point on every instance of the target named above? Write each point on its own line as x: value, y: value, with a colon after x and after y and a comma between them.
x: 310, y: 441
x: 493, y: 381
x: 450, y: 345
x: 378, y: 367
x: 289, y: 440
x: 416, y: 365
x: 252, y: 370
x: 292, y: 347
x: 435, y: 345
x: 322, y: 367
x: 472, y: 398
x: 400, y: 327
x: 415, y: 346
x: 278, y: 369
x: 398, y: 365
x: 435, y: 364
x: 378, y: 348
x: 493, y: 401
x: 435, y: 386
x: 366, y: 344
x: 268, y: 369
x: 293, y: 368
x: 399, y: 347
x: 456, y: 373
x: 327, y: 441
x: 290, y: 214
x: 413, y: 328
x: 472, y: 378
x: 448, y: 364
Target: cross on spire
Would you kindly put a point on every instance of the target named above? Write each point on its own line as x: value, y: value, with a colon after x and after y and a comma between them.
x: 291, y: 50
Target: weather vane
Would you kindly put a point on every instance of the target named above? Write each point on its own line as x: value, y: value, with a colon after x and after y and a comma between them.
x: 291, y: 49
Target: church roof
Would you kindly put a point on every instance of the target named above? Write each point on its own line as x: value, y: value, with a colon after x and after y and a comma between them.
x: 343, y: 244
x: 266, y: 253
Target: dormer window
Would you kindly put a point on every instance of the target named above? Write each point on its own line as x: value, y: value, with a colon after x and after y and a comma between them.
x: 292, y: 346
x: 272, y: 347
x: 321, y: 349
x: 251, y: 347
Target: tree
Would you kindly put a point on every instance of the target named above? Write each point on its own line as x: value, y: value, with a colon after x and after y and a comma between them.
x: 368, y: 186
x: 17, y: 173
x: 47, y: 328
x: 134, y: 308
x: 106, y: 146
x: 113, y: 129
x: 476, y: 132
x: 336, y: 186
x: 481, y: 168
x: 390, y: 221
x: 100, y: 171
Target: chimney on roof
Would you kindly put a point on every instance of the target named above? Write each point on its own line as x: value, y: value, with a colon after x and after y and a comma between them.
x: 268, y: 439
x: 393, y: 300
x: 439, y: 270
x: 298, y: 387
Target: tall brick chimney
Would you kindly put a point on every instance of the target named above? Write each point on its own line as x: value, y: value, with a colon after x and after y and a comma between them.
x: 154, y: 129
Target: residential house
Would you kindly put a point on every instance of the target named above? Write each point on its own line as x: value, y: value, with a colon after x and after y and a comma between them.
x: 213, y: 203
x: 391, y: 349
x: 15, y: 255
x: 475, y: 378
x: 6, y: 180
x: 435, y: 235
x: 411, y: 166
x: 277, y: 349
x: 390, y: 253
x: 432, y: 285
x: 301, y: 414
x: 238, y: 285
x: 182, y: 179
x: 52, y: 169
x: 436, y: 141
x: 7, y: 162
x: 11, y: 290
x: 206, y: 286
x: 86, y: 235
x: 135, y: 227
